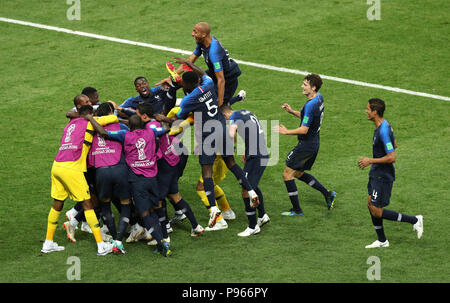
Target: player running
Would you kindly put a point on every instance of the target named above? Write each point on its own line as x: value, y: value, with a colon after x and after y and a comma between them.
x: 382, y: 175
x: 304, y: 154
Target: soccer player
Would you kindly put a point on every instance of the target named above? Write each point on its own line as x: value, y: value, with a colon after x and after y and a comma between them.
x: 161, y: 99
x: 219, y: 173
x: 168, y: 175
x: 382, y: 175
x: 221, y: 68
x: 108, y: 159
x: 247, y: 125
x: 304, y: 154
x: 92, y: 93
x: 141, y: 155
x: 201, y: 99
x: 68, y: 177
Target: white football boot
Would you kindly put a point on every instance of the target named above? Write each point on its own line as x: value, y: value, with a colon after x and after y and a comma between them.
x: 222, y: 224
x: 261, y: 221
x: 250, y: 231
x: 378, y: 244
x: 419, y: 226
x: 50, y: 246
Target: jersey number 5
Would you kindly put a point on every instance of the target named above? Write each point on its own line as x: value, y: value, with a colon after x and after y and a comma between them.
x: 212, y: 109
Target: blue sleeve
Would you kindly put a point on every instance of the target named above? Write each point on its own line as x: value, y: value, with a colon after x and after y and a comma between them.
x: 187, y: 105
x: 216, y: 56
x: 128, y: 111
x: 385, y: 136
x: 127, y: 102
x: 123, y: 127
x: 118, y: 135
x: 234, y: 116
x: 207, y: 83
x: 156, y: 89
x: 158, y: 131
x: 197, y: 51
x: 308, y: 114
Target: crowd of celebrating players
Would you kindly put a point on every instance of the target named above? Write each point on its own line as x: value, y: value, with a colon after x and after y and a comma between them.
x: 131, y: 155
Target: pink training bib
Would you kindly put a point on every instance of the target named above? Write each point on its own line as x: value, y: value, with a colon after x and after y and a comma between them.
x: 166, y: 148
x: 72, y: 140
x: 140, y: 153
x: 105, y: 152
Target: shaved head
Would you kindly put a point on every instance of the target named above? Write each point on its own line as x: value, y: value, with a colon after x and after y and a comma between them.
x: 204, y: 28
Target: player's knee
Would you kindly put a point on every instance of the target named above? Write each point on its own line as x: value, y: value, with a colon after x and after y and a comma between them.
x: 229, y: 161
x: 375, y: 211
x: 199, y: 186
x: 287, y: 176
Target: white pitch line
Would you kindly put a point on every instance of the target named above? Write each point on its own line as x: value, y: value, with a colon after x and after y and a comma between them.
x: 184, y: 52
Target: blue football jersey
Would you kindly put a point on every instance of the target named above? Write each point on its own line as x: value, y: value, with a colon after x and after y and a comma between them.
x: 158, y: 98
x: 251, y: 132
x: 202, y: 101
x: 217, y: 59
x: 311, y: 115
x: 383, y: 143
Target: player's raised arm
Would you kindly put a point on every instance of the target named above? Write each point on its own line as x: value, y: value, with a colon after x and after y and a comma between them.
x: 97, y: 127
x: 194, y: 67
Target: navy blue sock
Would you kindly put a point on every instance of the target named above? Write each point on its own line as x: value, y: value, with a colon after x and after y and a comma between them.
x: 162, y: 219
x: 293, y: 195
x: 395, y: 216
x: 234, y: 100
x: 314, y: 183
x: 250, y: 212
x: 80, y: 216
x: 124, y: 220
x: 261, y: 210
x: 108, y: 218
x: 378, y: 225
x: 151, y: 223
x: 78, y: 206
x: 240, y: 176
x: 208, y: 185
x: 187, y: 210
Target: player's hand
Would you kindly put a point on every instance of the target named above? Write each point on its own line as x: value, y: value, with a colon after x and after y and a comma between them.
x: 280, y: 129
x: 243, y: 159
x: 114, y: 104
x: 180, y: 60
x: 166, y: 82
x: 159, y: 117
x: 363, y: 162
x: 286, y: 107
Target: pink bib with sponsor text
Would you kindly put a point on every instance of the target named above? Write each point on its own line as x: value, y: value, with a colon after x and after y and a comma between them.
x: 140, y: 153
x: 166, y: 149
x: 105, y: 152
x: 72, y: 140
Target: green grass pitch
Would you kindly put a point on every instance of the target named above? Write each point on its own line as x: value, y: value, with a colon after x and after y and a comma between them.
x: 42, y: 70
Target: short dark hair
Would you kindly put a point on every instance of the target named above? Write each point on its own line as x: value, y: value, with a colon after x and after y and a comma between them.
x: 146, y: 108
x: 378, y: 105
x: 140, y: 78
x: 77, y: 99
x: 89, y: 91
x: 104, y: 109
x: 86, y: 109
x: 135, y: 122
x: 191, y: 78
x: 314, y: 80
